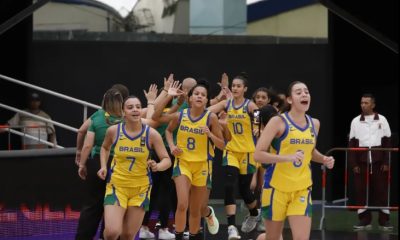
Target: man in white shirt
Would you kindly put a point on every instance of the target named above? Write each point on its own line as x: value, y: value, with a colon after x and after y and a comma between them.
x: 371, y: 130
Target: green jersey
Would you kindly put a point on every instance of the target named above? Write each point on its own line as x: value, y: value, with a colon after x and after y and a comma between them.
x: 101, y: 120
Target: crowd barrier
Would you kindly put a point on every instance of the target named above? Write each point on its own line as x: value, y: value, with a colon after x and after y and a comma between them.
x: 346, y: 178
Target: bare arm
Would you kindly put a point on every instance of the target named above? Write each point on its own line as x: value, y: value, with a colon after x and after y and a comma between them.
x: 151, y: 97
x: 275, y: 128
x: 216, y: 134
x: 87, y: 147
x: 80, y: 139
x: 168, y: 135
x: 327, y: 161
x: 105, y: 150
x: 223, y: 122
x: 217, y: 107
x: 158, y: 145
x: 164, y: 98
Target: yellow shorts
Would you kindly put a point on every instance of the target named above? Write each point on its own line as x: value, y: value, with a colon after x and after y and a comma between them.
x: 128, y: 196
x: 199, y: 173
x: 243, y: 161
x: 276, y: 205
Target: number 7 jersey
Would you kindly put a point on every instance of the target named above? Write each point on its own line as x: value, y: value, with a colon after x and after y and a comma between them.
x: 194, y: 143
x: 129, y: 164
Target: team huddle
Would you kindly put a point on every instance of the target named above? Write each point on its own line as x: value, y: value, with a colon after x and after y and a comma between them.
x: 164, y: 154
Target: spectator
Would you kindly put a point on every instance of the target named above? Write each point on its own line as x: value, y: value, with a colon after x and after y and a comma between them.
x: 33, y: 126
x: 370, y: 129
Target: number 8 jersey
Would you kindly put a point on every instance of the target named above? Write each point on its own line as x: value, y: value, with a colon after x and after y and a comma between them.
x: 194, y: 143
x: 240, y: 126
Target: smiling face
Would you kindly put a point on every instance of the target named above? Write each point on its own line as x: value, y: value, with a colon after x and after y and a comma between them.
x: 299, y: 97
x: 132, y: 109
x: 198, y: 98
x: 238, y: 88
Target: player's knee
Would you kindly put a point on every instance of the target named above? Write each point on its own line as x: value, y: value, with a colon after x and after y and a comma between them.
x: 182, y: 206
x: 112, y: 232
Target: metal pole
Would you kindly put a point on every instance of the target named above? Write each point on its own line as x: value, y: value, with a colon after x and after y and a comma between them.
x: 367, y: 176
x: 9, y: 139
x: 84, y: 113
x: 389, y: 170
x: 321, y: 223
x: 345, y: 178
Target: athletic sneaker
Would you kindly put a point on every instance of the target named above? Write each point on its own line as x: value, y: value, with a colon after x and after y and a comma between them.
x: 233, y: 233
x: 164, y: 234
x: 362, y: 226
x: 186, y: 235
x: 386, y: 227
x: 145, y: 233
x: 212, y: 222
x: 249, y: 223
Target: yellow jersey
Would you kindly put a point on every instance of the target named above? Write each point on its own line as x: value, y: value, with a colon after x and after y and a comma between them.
x: 195, y: 144
x: 241, y: 127
x: 292, y: 176
x: 129, y: 165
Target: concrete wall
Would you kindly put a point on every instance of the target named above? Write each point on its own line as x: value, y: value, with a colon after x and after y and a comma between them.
x: 59, y: 16
x: 309, y: 21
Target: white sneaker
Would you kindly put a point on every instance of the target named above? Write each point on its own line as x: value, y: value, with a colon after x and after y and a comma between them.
x: 186, y: 235
x: 249, y: 223
x: 212, y: 222
x: 233, y: 233
x: 164, y: 234
x: 145, y: 233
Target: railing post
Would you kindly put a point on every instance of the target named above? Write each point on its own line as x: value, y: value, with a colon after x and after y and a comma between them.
x: 389, y: 176
x: 345, y: 178
x: 321, y: 223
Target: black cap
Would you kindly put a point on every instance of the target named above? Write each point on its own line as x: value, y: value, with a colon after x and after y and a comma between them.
x: 34, y: 97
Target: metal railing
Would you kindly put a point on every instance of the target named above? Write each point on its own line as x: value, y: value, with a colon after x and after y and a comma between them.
x: 11, y: 130
x: 53, y: 93
x: 345, y: 206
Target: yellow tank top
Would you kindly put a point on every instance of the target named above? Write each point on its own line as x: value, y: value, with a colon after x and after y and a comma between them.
x: 292, y: 176
x: 195, y: 144
x: 241, y: 128
x: 129, y: 164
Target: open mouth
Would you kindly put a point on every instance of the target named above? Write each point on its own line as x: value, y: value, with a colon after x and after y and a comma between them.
x: 304, y: 102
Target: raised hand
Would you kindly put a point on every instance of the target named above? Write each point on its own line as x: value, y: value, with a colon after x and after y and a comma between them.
x: 152, y: 93
x: 175, y: 90
x: 227, y: 92
x: 168, y: 82
x: 224, y: 81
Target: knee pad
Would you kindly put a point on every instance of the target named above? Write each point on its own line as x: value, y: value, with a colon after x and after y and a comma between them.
x: 244, y: 188
x: 230, y: 182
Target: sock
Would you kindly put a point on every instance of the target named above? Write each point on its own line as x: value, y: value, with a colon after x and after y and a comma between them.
x: 231, y: 220
x: 209, y: 214
x: 253, y: 212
